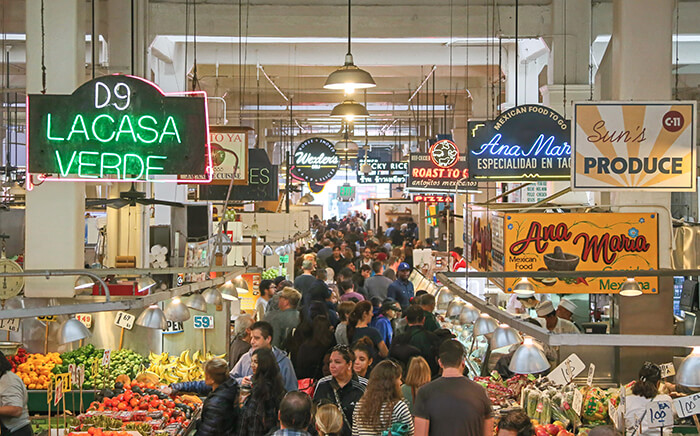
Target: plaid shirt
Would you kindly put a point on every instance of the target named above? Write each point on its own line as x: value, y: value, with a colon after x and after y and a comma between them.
x: 253, y: 423
x: 290, y: 432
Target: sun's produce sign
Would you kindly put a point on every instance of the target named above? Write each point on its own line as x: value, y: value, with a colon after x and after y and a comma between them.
x: 121, y: 128
x: 581, y: 242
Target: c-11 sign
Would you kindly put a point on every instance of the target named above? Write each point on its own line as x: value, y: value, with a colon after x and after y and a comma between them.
x: 121, y: 128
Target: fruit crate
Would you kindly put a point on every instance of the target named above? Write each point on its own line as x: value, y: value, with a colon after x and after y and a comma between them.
x: 37, y: 401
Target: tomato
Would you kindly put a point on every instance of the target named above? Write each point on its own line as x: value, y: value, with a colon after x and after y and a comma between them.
x: 154, y: 404
x: 91, y: 431
x: 121, y: 406
x: 134, y: 402
x: 180, y: 419
x: 143, y: 406
x: 162, y: 407
x: 169, y: 404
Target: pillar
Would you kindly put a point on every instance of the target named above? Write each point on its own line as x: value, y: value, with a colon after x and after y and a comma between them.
x: 54, y: 215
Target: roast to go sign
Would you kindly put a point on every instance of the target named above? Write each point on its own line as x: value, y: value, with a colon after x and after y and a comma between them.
x: 118, y: 127
x: 648, y: 146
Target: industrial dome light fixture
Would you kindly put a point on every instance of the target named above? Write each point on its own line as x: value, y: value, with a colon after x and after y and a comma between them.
x: 349, y: 109
x: 72, y: 330
x: 469, y: 314
x: 630, y: 288
x: 688, y: 374
x: 83, y: 282
x: 145, y: 283
x: 528, y: 359
x: 197, y: 302
x: 267, y: 250
x: 212, y: 296
x: 176, y: 310
x: 349, y: 77
x: 524, y: 287
x: 305, y: 199
x: 484, y: 325
x: 505, y: 336
x: 153, y: 318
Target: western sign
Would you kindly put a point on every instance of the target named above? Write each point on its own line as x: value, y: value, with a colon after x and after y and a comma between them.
x: 121, y: 128
x: 647, y: 146
x: 525, y: 143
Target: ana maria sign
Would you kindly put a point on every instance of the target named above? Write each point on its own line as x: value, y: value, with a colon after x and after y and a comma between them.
x: 529, y: 142
x: 121, y: 128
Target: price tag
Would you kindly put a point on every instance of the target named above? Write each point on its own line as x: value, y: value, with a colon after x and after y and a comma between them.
x: 47, y: 318
x: 72, y: 370
x: 591, y: 373
x: 58, y: 392
x: 124, y: 320
x: 659, y: 414
x: 566, y: 371
x: 578, y: 402
x: 49, y: 390
x: 85, y: 318
x: 81, y: 374
x: 203, y: 322
x: 687, y: 406
x: 623, y: 397
x: 174, y: 327
x: 612, y: 412
x: 11, y: 325
x: 284, y: 259
x: 66, y: 380
x: 667, y: 369
x: 106, y: 358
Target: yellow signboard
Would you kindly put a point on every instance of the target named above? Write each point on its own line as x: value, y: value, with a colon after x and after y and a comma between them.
x: 581, y: 242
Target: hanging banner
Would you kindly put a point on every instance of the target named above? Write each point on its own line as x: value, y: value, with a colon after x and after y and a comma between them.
x: 526, y: 143
x: 229, y: 154
x: 583, y: 242
x: 425, y: 174
x: 119, y: 128
x: 384, y: 169
x: 631, y: 145
x: 262, y: 184
x: 485, y: 238
x: 315, y: 162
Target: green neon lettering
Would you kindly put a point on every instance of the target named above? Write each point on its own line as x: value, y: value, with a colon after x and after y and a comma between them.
x: 149, y: 129
x: 104, y: 166
x: 126, y: 120
x: 149, y: 168
x: 94, y: 128
x: 48, y: 130
x: 78, y: 118
x: 64, y: 171
x: 168, y: 122
x: 125, y: 160
x: 82, y: 164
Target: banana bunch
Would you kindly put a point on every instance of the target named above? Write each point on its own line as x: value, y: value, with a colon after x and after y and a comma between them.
x: 182, y: 368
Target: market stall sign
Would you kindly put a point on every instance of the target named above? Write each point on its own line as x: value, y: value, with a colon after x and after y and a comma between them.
x: 641, y: 146
x: 249, y: 299
x: 10, y: 325
x: 384, y: 169
x: 485, y: 240
x: 261, y: 184
x: 84, y: 318
x: 284, y: 259
x: 315, y: 162
x: 205, y: 322
x: 525, y: 143
x: 229, y: 154
x: 424, y: 174
x: 124, y: 320
x: 581, y: 241
x: 444, y: 153
x: 687, y: 406
x: 430, y: 198
x: 565, y: 373
x: 121, y: 128
x: 174, y: 327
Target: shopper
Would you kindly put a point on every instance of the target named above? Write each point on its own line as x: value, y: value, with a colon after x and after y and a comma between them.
x: 294, y: 415
x: 382, y: 407
x: 402, y: 289
x: 548, y: 319
x: 516, y: 423
x: 336, y: 261
x: 261, y: 335
x: 348, y: 292
x: 343, y: 387
x: 341, y: 330
x: 329, y: 420
x: 305, y: 281
x: 378, y: 284
x: 644, y: 392
x: 219, y: 411
x: 283, y: 321
x: 417, y: 336
x: 241, y: 342
x: 427, y: 303
x: 327, y: 250
x: 366, y: 259
x: 14, y: 414
x: 363, y: 350
x: 453, y: 404
x: 308, y: 361
x: 267, y: 290
x: 259, y: 411
x: 383, y: 316
x: 358, y: 327
x: 418, y: 374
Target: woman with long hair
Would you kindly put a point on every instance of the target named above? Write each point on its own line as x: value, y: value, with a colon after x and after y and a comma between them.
x: 343, y: 387
x: 382, y: 406
x: 259, y: 413
x: 329, y: 420
x: 363, y: 350
x: 644, y: 392
x: 341, y: 330
x: 308, y: 362
x: 14, y: 415
x: 358, y: 327
x: 417, y: 375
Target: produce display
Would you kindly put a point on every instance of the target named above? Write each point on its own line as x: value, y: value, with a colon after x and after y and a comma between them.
x: 504, y: 393
x: 121, y: 362
x: 182, y: 368
x: 36, y: 369
x: 18, y: 359
x: 272, y: 273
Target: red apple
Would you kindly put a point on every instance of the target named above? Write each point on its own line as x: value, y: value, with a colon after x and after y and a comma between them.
x: 552, y: 429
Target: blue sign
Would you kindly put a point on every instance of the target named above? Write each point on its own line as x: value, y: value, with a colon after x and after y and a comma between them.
x: 525, y: 143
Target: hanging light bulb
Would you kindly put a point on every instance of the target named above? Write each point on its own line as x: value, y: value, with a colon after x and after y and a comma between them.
x: 469, y: 314
x: 145, y: 283
x: 72, y: 330
x: 505, y: 336
x: 524, y: 287
x: 349, y: 109
x: 267, y: 251
x: 176, y: 310
x: 689, y: 371
x: 630, y: 288
x: 485, y: 325
x: 280, y: 250
x: 528, y: 359
x: 197, y: 302
x: 212, y: 296
x: 153, y: 318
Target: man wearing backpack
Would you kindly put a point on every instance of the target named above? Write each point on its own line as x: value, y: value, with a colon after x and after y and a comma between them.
x: 417, y: 337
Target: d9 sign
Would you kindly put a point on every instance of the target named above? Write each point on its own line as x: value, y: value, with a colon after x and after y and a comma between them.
x: 118, y: 127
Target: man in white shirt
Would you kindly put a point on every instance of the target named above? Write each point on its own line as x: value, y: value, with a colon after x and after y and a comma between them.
x: 548, y: 318
x: 267, y: 290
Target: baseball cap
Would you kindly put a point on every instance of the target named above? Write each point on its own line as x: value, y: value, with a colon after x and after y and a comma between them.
x: 381, y: 257
x: 568, y: 305
x: 390, y: 304
x: 403, y: 266
x: 544, y: 308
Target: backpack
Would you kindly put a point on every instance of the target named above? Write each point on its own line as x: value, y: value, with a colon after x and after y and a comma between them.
x: 402, y: 350
x: 308, y: 386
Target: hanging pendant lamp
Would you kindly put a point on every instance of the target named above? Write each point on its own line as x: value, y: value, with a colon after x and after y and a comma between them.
x: 349, y: 77
x: 212, y: 296
x: 505, y: 336
x: 176, y: 310
x: 72, y: 330
x: 630, y: 288
x: 197, y: 302
x: 524, y: 287
x: 153, y: 318
x: 688, y: 374
x: 349, y: 109
x: 528, y: 359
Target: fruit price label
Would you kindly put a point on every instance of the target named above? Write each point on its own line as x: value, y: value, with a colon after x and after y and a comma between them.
x: 106, y: 358
x: 687, y: 406
x: 591, y: 373
x: 667, y: 369
x: 124, y: 320
x: 47, y: 318
x: 80, y: 370
x: 578, y: 402
x: 613, y: 413
x: 11, y: 325
x: 563, y: 374
x: 203, y: 322
x: 65, y: 381
x: 58, y: 392
x: 659, y: 414
x: 85, y: 318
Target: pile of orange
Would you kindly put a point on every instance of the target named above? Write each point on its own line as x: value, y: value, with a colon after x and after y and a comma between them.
x: 36, y: 371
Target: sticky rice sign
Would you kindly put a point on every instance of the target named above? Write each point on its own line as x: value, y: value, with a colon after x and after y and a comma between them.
x: 645, y: 146
x: 582, y: 242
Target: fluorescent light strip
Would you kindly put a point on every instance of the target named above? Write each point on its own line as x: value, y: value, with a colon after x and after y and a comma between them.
x: 23, y: 37
x: 327, y: 40
x: 328, y: 107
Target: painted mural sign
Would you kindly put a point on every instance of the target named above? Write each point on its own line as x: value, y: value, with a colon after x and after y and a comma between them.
x: 485, y: 241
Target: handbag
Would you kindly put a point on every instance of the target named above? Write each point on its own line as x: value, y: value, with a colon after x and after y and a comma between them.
x: 308, y: 386
x: 396, y: 429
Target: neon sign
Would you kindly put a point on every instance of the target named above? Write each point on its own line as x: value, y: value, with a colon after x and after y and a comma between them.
x: 427, y: 198
x: 120, y: 128
x: 444, y: 153
x: 424, y: 174
x: 529, y: 142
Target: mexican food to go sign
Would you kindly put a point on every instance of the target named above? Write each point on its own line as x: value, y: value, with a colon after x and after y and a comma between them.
x: 121, y: 128
x: 581, y: 242
x: 647, y: 146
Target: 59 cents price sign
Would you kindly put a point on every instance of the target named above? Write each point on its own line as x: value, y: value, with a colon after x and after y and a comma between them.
x: 203, y: 322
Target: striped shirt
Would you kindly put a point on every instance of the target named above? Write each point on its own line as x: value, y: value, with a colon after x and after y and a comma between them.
x: 399, y: 415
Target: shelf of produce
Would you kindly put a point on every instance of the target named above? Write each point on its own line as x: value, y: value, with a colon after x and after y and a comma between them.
x: 37, y: 401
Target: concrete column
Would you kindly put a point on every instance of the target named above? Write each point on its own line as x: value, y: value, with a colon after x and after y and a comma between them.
x: 54, y: 216
x: 641, y: 70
